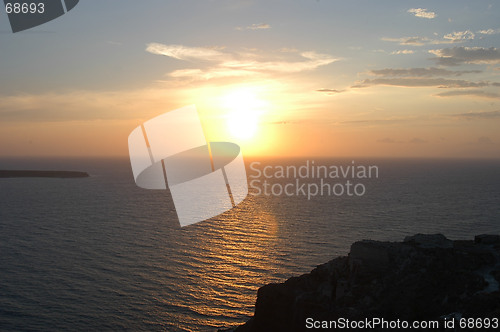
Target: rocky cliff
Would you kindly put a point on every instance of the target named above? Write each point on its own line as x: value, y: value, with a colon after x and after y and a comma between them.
x: 426, y: 277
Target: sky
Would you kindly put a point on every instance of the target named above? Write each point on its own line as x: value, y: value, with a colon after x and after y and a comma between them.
x: 280, y: 78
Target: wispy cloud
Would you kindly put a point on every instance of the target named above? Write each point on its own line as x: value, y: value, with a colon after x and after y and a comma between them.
x: 489, y: 31
x: 403, y: 52
x: 421, y: 82
x: 330, y: 91
x: 422, y: 12
x: 459, y: 36
x: 313, y: 61
x: 414, y: 41
x: 415, y: 140
x: 258, y: 26
x: 181, y: 52
x: 458, y: 55
x: 478, y: 115
x: 449, y: 38
x: 376, y: 121
x: 429, y: 77
x: 420, y: 72
x: 474, y: 93
x: 225, y: 64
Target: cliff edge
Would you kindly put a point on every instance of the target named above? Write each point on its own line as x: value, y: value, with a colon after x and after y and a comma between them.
x: 425, y: 277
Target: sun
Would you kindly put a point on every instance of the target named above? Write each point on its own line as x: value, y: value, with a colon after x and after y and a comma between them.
x: 244, y: 109
x: 242, y: 124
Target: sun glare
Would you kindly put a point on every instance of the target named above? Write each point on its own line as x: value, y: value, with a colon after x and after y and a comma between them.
x: 242, y: 125
x: 244, y: 109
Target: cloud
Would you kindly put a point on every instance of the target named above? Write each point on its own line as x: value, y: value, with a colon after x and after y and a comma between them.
x: 428, y: 77
x: 376, y: 121
x: 314, y: 60
x: 415, y: 140
x: 421, y: 82
x: 489, y: 31
x: 420, y: 72
x: 185, y: 53
x: 403, y: 52
x: 415, y: 41
x: 450, y: 38
x: 259, y: 26
x: 422, y: 12
x: 225, y: 64
x: 475, y: 93
x: 478, y: 115
x: 330, y: 91
x: 458, y: 55
x: 459, y: 36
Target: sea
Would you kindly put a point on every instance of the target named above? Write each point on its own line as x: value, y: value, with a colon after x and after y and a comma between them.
x: 100, y: 253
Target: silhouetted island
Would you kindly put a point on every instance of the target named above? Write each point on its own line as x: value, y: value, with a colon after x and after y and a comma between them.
x: 426, y: 277
x: 42, y: 174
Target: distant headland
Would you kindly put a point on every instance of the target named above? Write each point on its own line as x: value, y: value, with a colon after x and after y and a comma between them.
x: 42, y: 174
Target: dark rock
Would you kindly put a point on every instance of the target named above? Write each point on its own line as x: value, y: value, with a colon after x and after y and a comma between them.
x: 426, y: 277
x: 429, y: 241
x: 487, y: 239
x: 370, y: 256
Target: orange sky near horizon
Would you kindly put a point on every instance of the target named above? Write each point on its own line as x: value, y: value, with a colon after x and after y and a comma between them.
x: 282, y: 130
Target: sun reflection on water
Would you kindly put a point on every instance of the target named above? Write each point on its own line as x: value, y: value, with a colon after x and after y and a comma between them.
x: 236, y: 260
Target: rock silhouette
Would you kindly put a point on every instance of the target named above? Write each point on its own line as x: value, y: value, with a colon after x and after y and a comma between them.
x: 425, y: 277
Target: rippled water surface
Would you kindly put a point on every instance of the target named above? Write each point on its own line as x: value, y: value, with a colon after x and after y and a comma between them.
x: 101, y: 254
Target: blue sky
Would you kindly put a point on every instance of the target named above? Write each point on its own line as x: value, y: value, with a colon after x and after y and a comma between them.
x: 363, y: 71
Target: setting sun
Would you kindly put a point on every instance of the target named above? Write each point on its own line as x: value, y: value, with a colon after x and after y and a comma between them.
x: 244, y: 109
x: 242, y: 124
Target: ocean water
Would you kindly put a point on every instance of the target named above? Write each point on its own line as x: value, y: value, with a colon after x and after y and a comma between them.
x: 102, y: 254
